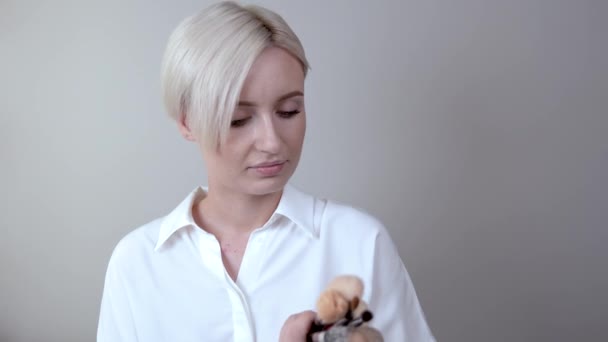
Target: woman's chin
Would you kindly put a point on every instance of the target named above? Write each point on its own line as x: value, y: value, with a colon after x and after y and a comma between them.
x: 267, y: 186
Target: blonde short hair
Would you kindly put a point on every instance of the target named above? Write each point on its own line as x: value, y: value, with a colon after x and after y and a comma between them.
x: 208, y: 57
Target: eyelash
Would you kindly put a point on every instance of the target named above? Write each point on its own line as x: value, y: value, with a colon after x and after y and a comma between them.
x: 284, y: 115
x: 238, y: 123
x: 289, y: 114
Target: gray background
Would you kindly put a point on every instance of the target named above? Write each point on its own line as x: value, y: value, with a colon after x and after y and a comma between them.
x: 475, y: 130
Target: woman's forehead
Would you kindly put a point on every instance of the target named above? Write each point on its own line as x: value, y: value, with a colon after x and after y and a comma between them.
x: 274, y: 75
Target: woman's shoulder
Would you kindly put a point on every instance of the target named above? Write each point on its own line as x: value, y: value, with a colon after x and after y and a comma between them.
x: 341, y: 216
x: 347, y: 213
x: 138, y: 242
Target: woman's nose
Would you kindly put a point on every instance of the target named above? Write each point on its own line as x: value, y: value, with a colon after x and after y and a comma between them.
x: 267, y: 135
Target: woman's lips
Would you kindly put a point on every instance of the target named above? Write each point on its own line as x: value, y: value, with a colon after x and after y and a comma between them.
x: 269, y: 169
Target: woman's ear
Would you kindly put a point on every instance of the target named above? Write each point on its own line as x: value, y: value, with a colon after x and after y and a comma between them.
x: 184, y: 130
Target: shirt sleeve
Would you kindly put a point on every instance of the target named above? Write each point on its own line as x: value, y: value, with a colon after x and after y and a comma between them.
x: 116, y: 322
x: 397, y: 312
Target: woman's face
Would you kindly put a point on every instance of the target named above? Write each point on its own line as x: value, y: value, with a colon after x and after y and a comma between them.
x: 265, y: 140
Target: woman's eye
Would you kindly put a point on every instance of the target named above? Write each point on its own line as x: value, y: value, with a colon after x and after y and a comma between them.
x: 239, y: 122
x: 288, y: 114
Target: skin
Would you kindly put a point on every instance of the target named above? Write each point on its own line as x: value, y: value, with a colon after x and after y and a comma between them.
x: 296, y: 326
x: 268, y: 125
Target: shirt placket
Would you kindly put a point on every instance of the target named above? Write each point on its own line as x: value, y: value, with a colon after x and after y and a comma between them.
x: 241, y: 315
x: 243, y: 327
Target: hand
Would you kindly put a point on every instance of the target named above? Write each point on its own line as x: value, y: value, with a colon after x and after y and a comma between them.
x: 297, y: 326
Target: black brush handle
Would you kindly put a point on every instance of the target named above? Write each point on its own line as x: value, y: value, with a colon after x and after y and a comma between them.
x: 315, y: 327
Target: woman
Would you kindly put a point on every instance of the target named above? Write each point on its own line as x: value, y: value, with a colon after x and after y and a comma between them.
x: 246, y: 258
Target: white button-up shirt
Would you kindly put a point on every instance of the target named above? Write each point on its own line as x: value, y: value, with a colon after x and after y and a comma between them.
x: 166, y: 281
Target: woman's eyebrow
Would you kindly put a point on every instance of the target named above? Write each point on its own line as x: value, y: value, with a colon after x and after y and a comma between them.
x: 290, y: 94
x: 281, y: 98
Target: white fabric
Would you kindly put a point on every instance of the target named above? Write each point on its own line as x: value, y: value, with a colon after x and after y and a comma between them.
x: 166, y: 280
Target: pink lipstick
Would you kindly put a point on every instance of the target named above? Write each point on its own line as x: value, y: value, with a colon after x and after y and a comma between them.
x: 269, y: 169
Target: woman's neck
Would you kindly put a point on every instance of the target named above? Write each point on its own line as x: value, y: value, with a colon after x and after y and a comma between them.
x: 223, y: 212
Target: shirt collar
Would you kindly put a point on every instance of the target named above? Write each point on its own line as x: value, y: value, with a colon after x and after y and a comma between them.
x: 179, y: 218
x: 295, y: 205
x: 298, y: 207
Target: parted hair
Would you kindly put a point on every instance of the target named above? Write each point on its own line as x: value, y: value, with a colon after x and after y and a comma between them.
x: 208, y: 57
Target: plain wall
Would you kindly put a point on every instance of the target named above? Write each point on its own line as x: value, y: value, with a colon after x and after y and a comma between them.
x: 475, y: 130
